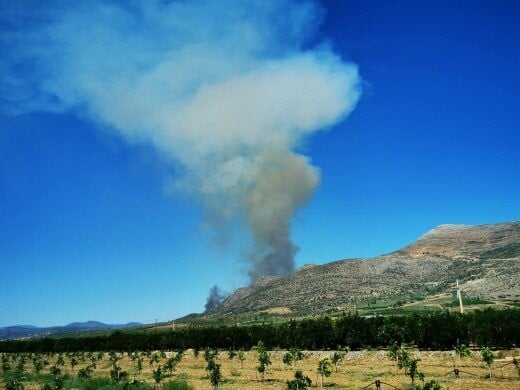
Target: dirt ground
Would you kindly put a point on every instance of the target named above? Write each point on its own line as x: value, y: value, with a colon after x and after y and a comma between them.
x: 357, y: 370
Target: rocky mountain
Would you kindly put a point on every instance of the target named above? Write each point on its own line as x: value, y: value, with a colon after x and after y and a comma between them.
x: 29, y: 331
x: 484, y: 258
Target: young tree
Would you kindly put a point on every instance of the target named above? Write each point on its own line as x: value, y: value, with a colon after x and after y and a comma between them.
x: 288, y: 359
x: 139, y: 364
x: 393, y: 351
x: 294, y: 355
x: 154, y: 359
x: 337, y: 357
x: 488, y: 357
x: 73, y: 362
x: 37, y: 366
x: 179, y: 355
x: 215, y: 376
x: 6, y: 366
x: 210, y: 354
x: 60, y: 361
x: 85, y: 373
x: 401, y: 356
x: 300, y: 382
x: 403, y: 359
x: 20, y: 367
x: 170, y: 364
x: 113, y: 358
x: 461, y: 350
x: 324, y: 369
x: 264, y: 359
x: 232, y: 353
x: 157, y: 374
x: 241, y: 357
x: 55, y: 371
x: 117, y: 374
x: 413, y: 372
x: 297, y: 354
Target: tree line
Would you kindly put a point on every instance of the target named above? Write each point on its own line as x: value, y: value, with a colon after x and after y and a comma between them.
x: 438, y: 330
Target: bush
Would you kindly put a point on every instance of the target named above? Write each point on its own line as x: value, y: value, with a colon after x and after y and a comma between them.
x: 106, y: 384
x: 432, y: 385
x: 85, y: 373
x: 177, y: 384
x: 299, y: 382
x: 13, y: 384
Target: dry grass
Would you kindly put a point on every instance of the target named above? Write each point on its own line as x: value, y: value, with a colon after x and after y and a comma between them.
x: 359, y: 369
x: 282, y: 310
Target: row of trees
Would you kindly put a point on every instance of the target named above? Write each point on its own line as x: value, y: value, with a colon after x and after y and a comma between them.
x: 495, y: 328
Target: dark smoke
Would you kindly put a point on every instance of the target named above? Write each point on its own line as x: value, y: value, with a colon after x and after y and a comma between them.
x: 277, y: 259
x: 215, y: 298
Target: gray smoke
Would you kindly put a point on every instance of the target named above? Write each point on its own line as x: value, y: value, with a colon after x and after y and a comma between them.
x: 215, y: 298
x: 222, y: 88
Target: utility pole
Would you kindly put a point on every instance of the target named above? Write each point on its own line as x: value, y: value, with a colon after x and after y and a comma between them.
x: 459, y: 296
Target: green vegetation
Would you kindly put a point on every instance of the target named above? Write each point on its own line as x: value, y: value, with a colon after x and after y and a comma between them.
x: 337, y: 358
x: 438, y: 330
x: 300, y: 382
x: 467, y: 301
x: 214, y: 375
x: 488, y: 356
x: 177, y: 384
x: 292, y: 356
x: 264, y: 359
x: 158, y: 374
x: 432, y: 385
x: 20, y: 373
x: 324, y: 369
x: 462, y: 351
x: 413, y: 371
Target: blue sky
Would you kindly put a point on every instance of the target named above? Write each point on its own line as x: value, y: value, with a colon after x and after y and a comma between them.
x: 94, y: 223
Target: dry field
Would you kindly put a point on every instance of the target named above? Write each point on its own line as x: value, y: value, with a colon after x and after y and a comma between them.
x: 357, y: 370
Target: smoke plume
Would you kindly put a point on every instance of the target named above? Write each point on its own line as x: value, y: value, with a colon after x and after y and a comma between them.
x: 215, y: 298
x: 226, y: 89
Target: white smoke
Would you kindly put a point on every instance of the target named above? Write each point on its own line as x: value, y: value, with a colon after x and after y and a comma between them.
x: 225, y: 88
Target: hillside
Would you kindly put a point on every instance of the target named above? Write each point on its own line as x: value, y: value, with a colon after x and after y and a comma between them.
x: 29, y: 331
x: 484, y: 258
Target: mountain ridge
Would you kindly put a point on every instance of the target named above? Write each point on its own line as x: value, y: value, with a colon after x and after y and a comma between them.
x: 31, y: 331
x: 484, y: 258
